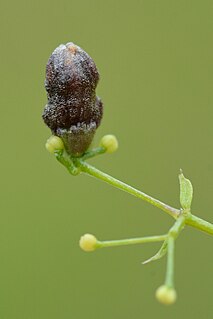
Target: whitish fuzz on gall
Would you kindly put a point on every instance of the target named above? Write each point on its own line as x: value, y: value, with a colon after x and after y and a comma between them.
x: 73, y: 111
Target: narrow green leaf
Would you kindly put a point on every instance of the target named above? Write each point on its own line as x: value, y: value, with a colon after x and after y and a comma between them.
x: 186, y: 192
x: 162, y: 251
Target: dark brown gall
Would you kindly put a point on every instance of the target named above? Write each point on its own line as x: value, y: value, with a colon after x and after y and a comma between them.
x: 73, y: 111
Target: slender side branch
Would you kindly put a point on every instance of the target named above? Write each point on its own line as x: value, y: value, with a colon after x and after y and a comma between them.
x: 130, y: 241
x: 90, y: 170
x: 172, y: 235
x: 92, y: 153
x: 169, y: 281
x: 200, y: 224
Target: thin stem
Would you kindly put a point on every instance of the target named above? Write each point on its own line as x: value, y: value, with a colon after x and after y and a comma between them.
x: 90, y: 170
x: 172, y: 235
x: 94, y: 152
x: 200, y: 224
x: 76, y: 165
x: 131, y: 241
x: 65, y: 160
x: 177, y: 227
x: 169, y: 282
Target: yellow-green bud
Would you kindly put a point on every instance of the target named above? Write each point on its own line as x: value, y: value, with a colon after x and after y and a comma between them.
x: 88, y: 242
x: 186, y: 192
x: 110, y: 143
x: 54, y: 143
x: 166, y: 295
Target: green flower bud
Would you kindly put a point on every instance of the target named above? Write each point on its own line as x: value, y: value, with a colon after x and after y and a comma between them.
x: 186, y: 192
x: 110, y: 143
x: 73, y: 111
x: 54, y: 143
x: 88, y: 242
x: 166, y: 295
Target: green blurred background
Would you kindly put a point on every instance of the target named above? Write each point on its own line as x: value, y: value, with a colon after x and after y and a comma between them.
x: 155, y: 61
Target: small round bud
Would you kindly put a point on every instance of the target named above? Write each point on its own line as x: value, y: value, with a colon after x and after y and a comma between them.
x: 54, y: 143
x: 88, y: 242
x: 166, y: 295
x: 110, y: 143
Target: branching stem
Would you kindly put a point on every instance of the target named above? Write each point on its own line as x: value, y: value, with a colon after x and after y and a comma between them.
x: 77, y: 165
x: 88, y: 242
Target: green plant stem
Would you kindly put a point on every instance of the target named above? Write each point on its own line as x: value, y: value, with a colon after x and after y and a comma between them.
x: 65, y: 160
x: 132, y: 241
x: 90, y: 170
x: 76, y: 165
x: 169, y: 281
x: 200, y: 224
x: 94, y: 152
x: 172, y: 235
x: 177, y: 227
